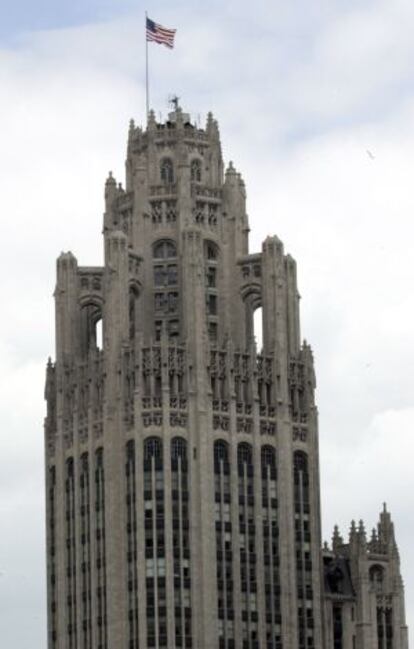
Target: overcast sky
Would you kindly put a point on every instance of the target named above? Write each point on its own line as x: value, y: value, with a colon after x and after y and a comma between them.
x: 315, y: 102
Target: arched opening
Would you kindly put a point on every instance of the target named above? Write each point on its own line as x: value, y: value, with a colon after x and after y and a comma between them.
x: 258, y: 327
x: 376, y: 577
x: 91, y: 327
x: 99, y: 334
x: 253, y: 314
x: 178, y: 448
x: 221, y: 453
x: 244, y: 455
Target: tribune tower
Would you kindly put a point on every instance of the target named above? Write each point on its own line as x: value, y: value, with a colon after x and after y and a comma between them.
x: 182, y: 462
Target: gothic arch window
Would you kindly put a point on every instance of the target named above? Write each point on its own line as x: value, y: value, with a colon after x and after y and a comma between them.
x: 303, y: 540
x: 268, y: 457
x: 91, y: 326
x: 51, y: 519
x: 154, y: 538
x: 244, y: 454
x: 85, y: 548
x: 100, y: 547
x: 376, y: 575
x: 71, y: 582
x: 152, y: 448
x: 300, y: 463
x: 196, y: 170
x: 132, y: 544
x: 247, y: 542
x: 164, y: 249
x: 221, y: 452
x: 180, y: 496
x: 271, y: 573
x: 224, y: 545
x: 167, y: 171
x: 179, y: 448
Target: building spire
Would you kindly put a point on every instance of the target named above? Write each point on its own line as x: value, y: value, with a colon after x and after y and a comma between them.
x: 337, y: 539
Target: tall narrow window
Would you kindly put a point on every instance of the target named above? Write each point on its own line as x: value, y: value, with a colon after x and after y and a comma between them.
x: 258, y: 327
x: 181, y: 542
x: 211, y: 257
x: 247, y: 530
x: 337, y: 626
x: 71, y: 599
x: 85, y: 530
x: 100, y: 550
x: 131, y: 525
x: 167, y: 171
x: 52, y: 556
x: 384, y: 627
x: 224, y: 547
x: 155, y: 543
x: 166, y: 294
x: 133, y: 312
x: 91, y: 327
x: 196, y: 170
x: 303, y: 550
x: 271, y: 548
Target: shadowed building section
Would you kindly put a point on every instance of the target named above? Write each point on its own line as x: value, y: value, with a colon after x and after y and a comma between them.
x: 363, y: 588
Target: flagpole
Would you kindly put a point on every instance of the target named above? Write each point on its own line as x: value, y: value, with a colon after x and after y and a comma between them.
x: 146, y: 68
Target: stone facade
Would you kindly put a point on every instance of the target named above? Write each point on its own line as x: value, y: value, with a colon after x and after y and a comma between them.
x: 363, y: 589
x: 182, y: 469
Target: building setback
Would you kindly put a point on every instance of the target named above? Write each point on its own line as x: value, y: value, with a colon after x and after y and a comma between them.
x: 182, y: 464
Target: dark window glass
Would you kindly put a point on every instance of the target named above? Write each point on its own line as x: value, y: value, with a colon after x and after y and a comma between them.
x: 152, y: 448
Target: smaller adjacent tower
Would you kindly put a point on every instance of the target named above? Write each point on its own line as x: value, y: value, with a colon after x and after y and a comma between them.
x: 363, y: 589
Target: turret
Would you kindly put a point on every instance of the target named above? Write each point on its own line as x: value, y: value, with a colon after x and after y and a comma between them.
x: 337, y: 540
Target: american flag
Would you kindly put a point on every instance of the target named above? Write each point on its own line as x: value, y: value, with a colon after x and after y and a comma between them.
x: 160, y: 34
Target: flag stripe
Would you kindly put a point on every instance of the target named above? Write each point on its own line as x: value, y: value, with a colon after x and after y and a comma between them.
x: 160, y: 39
x: 159, y: 34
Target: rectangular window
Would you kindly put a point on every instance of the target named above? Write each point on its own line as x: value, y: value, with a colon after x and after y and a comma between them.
x: 212, y: 331
x: 212, y: 304
x: 159, y: 276
x: 211, y: 277
x: 172, y: 302
x: 172, y: 275
x: 159, y: 302
x: 158, y: 329
x: 173, y: 328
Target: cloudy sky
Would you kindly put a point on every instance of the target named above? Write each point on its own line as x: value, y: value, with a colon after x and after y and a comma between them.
x: 316, y: 108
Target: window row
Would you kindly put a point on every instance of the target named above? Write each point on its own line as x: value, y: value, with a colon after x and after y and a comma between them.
x: 167, y: 171
x: 244, y: 456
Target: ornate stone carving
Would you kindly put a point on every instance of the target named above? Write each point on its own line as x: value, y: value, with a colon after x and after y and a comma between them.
x: 244, y: 425
x: 221, y: 422
x: 299, y: 434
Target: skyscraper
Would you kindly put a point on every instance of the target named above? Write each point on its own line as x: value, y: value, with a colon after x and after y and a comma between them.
x: 182, y: 462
